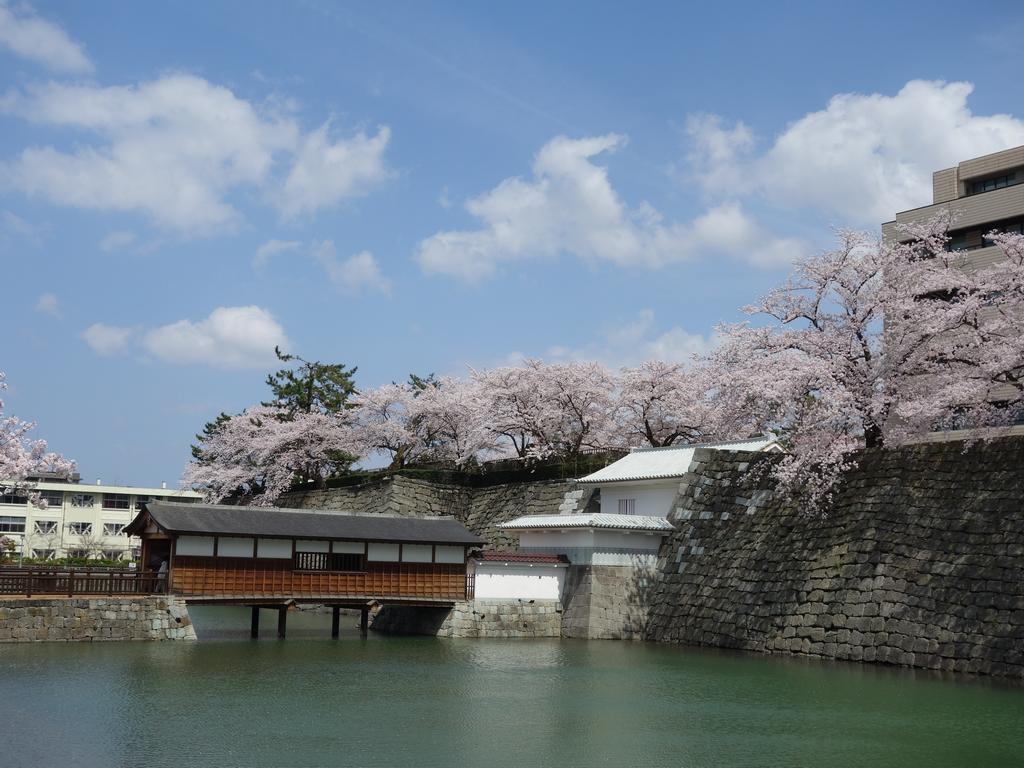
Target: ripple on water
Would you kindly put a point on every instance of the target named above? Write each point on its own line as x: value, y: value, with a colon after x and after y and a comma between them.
x: 393, y: 701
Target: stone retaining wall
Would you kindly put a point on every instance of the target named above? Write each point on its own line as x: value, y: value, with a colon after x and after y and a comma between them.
x: 94, y: 619
x: 480, y: 509
x: 474, y: 618
x: 919, y: 561
x: 605, y: 602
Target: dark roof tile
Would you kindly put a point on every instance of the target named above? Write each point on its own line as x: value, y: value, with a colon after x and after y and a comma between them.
x: 212, y: 519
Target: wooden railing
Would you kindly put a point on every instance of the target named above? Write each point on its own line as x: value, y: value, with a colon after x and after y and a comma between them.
x: 71, y: 581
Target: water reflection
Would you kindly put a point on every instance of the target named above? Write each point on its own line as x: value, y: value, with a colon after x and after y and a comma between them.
x: 391, y: 701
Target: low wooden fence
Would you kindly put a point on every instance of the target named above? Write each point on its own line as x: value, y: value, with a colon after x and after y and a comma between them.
x: 71, y: 581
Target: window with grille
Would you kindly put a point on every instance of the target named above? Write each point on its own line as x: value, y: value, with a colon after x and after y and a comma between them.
x: 116, y: 501
x: 12, y: 524
x: 13, y: 497
x: 328, y: 561
x: 46, y: 527
x: 53, y: 499
x: 113, y: 529
x: 80, y: 528
x: 43, y: 554
x: 83, y: 500
x: 627, y: 506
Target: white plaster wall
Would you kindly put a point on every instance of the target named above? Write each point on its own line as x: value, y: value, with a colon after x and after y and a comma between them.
x: 229, y: 546
x: 652, y: 499
x: 194, y: 545
x: 596, y: 539
x: 537, y: 582
x: 382, y: 552
x: 449, y: 554
x: 417, y: 553
x: 534, y: 540
x: 279, y: 548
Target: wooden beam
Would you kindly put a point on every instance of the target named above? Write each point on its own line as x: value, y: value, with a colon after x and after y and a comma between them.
x: 282, y: 621
x: 254, y: 629
x: 335, y: 619
x: 364, y: 621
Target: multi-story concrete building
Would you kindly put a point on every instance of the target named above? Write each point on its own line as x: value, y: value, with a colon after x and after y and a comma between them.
x: 980, y: 195
x: 79, y: 520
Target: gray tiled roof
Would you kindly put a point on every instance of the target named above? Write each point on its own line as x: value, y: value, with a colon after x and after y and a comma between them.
x: 212, y: 519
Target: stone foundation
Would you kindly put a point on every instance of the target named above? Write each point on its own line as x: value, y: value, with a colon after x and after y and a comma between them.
x: 474, y: 618
x: 606, y: 602
x: 94, y: 619
x: 917, y: 562
x: 480, y: 509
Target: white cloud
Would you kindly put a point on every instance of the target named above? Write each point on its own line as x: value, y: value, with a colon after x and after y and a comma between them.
x: 635, y: 341
x: 177, y: 147
x: 862, y: 158
x: 107, y: 340
x: 115, y: 241
x: 48, y: 304
x: 352, y: 274
x: 270, y: 249
x: 570, y: 207
x: 231, y: 337
x: 27, y: 35
x: 11, y: 224
x: 326, y: 172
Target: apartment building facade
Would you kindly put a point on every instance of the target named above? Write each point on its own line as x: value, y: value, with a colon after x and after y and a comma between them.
x: 981, y: 196
x: 78, y: 520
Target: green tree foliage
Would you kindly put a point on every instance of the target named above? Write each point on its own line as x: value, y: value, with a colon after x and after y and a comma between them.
x: 308, y: 387
x: 311, y: 385
x: 209, y: 430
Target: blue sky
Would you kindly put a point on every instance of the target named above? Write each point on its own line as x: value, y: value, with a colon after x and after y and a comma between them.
x: 421, y: 187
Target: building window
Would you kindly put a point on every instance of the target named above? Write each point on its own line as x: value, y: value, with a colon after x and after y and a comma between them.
x: 113, y: 529
x: 83, y: 500
x: 112, y: 554
x: 13, y: 497
x: 46, y: 527
x: 43, y: 554
x: 116, y: 501
x: 627, y: 506
x: 53, y: 499
x: 140, y: 500
x: 79, y: 553
x: 80, y: 529
x: 994, y: 182
x: 12, y: 524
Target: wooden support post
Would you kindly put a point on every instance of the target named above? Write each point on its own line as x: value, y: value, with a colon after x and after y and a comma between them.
x: 254, y: 629
x: 364, y: 621
x: 282, y: 621
x: 335, y: 619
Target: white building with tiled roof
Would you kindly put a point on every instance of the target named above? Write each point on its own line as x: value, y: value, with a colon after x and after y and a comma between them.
x: 636, y: 496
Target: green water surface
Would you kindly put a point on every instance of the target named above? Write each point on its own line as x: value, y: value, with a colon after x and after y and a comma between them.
x: 387, y: 701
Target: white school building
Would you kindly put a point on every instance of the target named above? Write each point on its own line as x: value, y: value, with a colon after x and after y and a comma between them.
x: 78, y: 520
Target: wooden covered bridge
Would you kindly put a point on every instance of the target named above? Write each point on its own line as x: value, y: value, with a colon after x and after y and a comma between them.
x: 273, y: 558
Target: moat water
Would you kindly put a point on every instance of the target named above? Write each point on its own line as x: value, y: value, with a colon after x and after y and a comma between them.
x: 387, y: 701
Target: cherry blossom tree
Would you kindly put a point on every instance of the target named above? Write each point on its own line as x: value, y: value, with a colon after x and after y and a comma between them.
x: 875, y: 343
x: 660, y: 403
x: 22, y: 457
x: 449, y: 420
x: 382, y: 419
x: 259, y: 454
x: 548, y: 409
